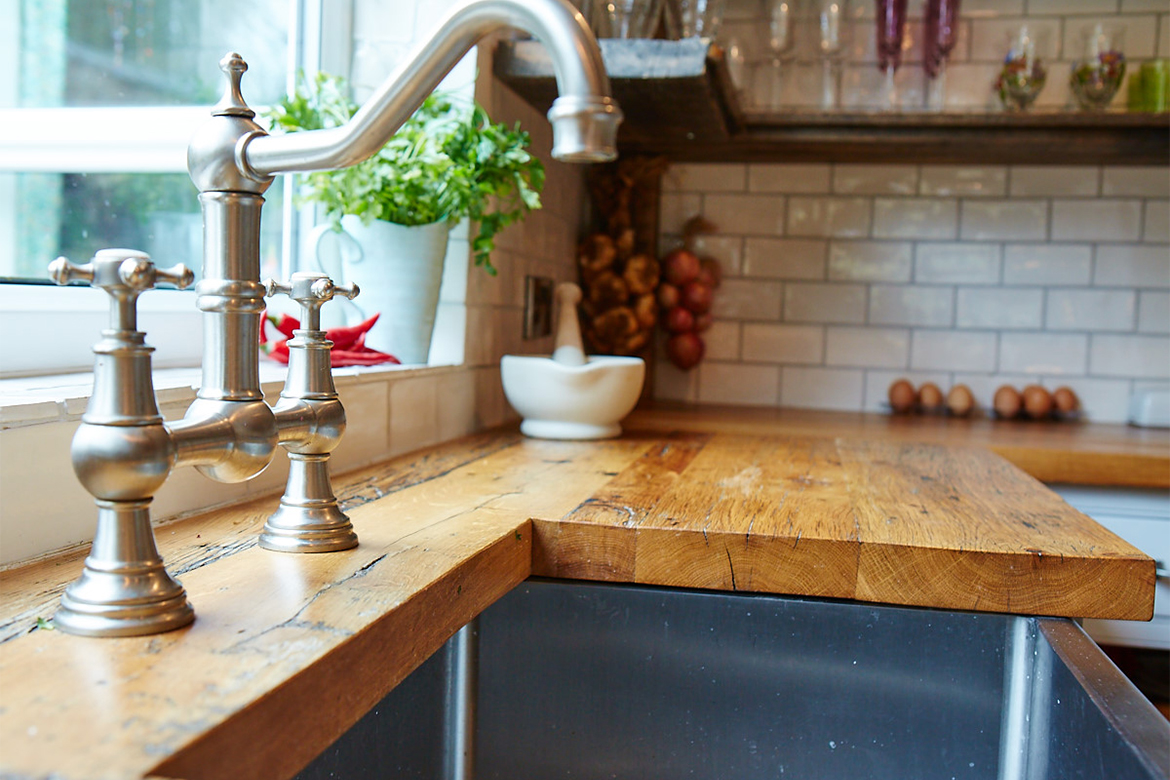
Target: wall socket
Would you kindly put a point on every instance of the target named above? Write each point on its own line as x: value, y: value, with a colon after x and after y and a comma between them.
x: 538, y: 304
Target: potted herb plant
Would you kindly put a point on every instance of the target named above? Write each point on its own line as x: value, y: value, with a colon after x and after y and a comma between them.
x: 447, y: 162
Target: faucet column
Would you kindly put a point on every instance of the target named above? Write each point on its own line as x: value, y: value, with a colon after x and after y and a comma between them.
x: 229, y: 432
x: 122, y: 454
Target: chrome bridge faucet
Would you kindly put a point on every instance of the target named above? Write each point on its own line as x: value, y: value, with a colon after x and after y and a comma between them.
x: 124, y: 451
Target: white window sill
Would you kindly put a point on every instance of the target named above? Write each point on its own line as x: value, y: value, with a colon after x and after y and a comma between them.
x: 37, y: 400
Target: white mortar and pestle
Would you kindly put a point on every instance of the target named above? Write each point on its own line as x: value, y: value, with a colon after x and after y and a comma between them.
x: 571, y: 395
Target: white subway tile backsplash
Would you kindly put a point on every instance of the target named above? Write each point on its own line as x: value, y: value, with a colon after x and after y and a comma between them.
x: 785, y: 258
x: 1101, y: 400
x: 783, y: 343
x: 1096, y: 220
x: 705, y: 177
x: 867, y: 347
x: 951, y: 350
x: 746, y: 215
x: 744, y: 299
x: 1156, y: 219
x: 1055, y: 264
x: 1146, y: 182
x: 1139, y: 357
x: 963, y: 180
x: 1006, y: 220
x: 1153, y: 312
x: 674, y: 384
x: 870, y: 261
x: 822, y: 388
x: 1091, y: 310
x: 828, y: 217
x: 830, y: 303
x: 982, y: 275
x: 722, y: 341
x: 1043, y: 353
x: 793, y: 179
x: 1132, y: 265
x: 1138, y: 34
x: 893, y: 304
x: 991, y: 38
x: 727, y: 250
x: 675, y: 208
x: 1054, y: 180
x: 957, y: 263
x: 875, y: 179
x: 735, y: 383
x: 998, y: 308
x: 1070, y: 7
x: 922, y: 218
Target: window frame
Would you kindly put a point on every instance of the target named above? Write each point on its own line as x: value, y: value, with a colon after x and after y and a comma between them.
x: 135, y: 139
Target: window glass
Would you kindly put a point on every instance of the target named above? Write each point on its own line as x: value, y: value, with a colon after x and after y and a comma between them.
x: 121, y: 54
x: 145, y: 52
x: 76, y: 214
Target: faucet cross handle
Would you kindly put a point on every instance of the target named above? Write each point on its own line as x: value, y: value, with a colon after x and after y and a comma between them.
x: 124, y: 274
x: 311, y: 290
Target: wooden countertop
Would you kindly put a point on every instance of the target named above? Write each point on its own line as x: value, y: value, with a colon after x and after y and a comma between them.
x: 288, y: 651
x: 1078, y: 453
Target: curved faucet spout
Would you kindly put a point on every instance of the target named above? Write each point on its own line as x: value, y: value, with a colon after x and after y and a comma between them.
x: 584, y: 117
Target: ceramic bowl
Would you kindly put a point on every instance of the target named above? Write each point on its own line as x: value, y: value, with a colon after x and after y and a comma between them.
x: 559, y: 401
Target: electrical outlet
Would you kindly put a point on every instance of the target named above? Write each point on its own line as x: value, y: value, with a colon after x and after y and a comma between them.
x: 538, y: 304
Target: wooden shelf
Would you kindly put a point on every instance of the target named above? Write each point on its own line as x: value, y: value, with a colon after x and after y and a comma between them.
x: 679, y: 101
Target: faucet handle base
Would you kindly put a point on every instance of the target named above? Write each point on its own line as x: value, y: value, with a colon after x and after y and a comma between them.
x: 124, y: 589
x: 309, y: 519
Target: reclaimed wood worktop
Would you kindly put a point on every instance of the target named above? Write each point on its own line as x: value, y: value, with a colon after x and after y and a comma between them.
x: 288, y: 651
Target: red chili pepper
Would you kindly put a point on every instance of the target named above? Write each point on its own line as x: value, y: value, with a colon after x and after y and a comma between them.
x: 286, y: 324
x: 344, y: 338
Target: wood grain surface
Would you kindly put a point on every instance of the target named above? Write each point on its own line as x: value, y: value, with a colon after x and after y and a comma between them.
x: 288, y: 651
x: 1073, y: 452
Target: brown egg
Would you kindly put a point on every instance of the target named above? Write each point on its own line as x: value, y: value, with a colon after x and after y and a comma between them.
x: 1037, y: 402
x: 1007, y: 402
x: 902, y: 396
x: 1065, y: 400
x: 930, y: 398
x: 960, y: 401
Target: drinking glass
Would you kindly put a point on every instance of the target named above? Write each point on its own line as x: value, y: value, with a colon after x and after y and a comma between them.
x: 941, y: 31
x: 625, y: 18
x: 832, y: 25
x: 891, y: 26
x: 693, y: 18
x: 781, y: 16
x: 1098, y: 74
x: 1023, y: 74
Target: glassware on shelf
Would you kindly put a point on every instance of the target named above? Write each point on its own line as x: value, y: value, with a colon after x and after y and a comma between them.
x: 939, y: 36
x: 693, y: 18
x: 624, y: 18
x: 832, y: 17
x: 891, y: 26
x: 781, y: 44
x: 1097, y: 76
x: 1023, y: 74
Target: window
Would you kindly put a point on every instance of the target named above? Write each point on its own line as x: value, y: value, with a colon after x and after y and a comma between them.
x: 101, y: 99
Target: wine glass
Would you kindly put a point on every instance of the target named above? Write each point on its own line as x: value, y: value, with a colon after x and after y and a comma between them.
x: 891, y: 26
x: 831, y: 17
x: 691, y: 18
x: 942, y: 17
x: 781, y: 15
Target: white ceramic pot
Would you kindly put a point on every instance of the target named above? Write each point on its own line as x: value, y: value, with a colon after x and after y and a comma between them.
x: 399, y: 270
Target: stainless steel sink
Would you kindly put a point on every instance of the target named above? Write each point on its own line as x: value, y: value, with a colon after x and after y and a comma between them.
x: 581, y: 680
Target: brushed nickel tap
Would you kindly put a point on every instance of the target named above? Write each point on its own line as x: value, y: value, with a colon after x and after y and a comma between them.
x: 229, y: 433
